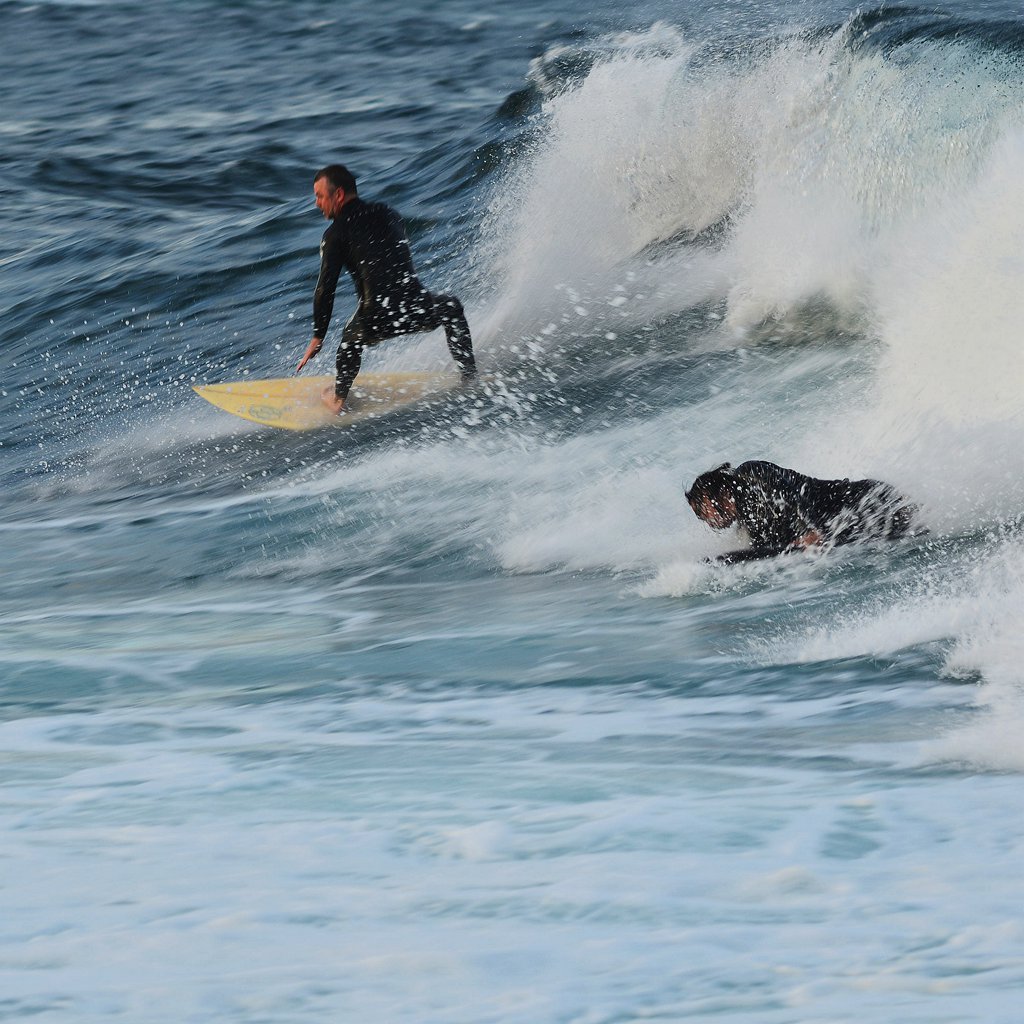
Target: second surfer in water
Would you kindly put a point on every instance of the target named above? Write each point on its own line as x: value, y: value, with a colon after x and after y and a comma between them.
x: 782, y: 510
x: 369, y: 241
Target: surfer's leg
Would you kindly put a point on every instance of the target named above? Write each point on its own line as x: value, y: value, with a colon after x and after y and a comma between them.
x: 452, y: 318
x: 350, y: 357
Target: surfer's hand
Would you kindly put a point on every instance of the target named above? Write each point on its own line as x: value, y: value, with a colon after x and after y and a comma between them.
x: 314, y: 346
x: 811, y: 539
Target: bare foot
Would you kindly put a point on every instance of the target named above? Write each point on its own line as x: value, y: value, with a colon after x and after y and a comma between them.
x: 332, y: 401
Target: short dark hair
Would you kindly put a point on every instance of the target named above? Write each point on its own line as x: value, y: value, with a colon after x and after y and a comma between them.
x: 713, y: 484
x: 339, y: 176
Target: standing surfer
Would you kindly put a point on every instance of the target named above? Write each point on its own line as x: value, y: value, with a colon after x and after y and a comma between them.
x: 369, y: 241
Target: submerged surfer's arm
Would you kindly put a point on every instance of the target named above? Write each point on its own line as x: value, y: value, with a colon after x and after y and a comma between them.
x: 753, y: 554
x: 809, y: 540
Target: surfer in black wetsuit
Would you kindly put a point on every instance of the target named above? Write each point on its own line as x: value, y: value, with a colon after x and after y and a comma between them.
x: 369, y: 241
x: 782, y: 510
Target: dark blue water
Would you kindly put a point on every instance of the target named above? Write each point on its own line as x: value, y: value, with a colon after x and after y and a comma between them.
x: 444, y: 717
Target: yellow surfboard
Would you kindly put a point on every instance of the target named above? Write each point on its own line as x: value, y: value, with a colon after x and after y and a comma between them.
x: 293, y: 403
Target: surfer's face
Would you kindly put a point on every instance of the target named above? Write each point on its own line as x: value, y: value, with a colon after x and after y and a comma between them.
x: 329, y: 199
x: 718, y: 514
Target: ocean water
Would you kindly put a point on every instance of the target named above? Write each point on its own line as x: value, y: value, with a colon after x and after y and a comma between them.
x: 445, y: 718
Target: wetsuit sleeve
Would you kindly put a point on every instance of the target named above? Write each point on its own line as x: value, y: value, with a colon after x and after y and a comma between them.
x: 331, y: 264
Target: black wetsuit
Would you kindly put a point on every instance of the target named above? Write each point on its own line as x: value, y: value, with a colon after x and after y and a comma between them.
x: 777, y: 507
x: 369, y: 241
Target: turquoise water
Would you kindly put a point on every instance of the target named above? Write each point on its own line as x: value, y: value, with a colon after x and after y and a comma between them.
x: 445, y: 718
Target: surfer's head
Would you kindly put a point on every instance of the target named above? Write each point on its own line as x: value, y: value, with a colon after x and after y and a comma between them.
x: 713, y: 497
x: 333, y: 186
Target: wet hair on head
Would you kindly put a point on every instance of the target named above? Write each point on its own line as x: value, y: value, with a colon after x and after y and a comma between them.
x: 713, y: 484
x: 339, y: 176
